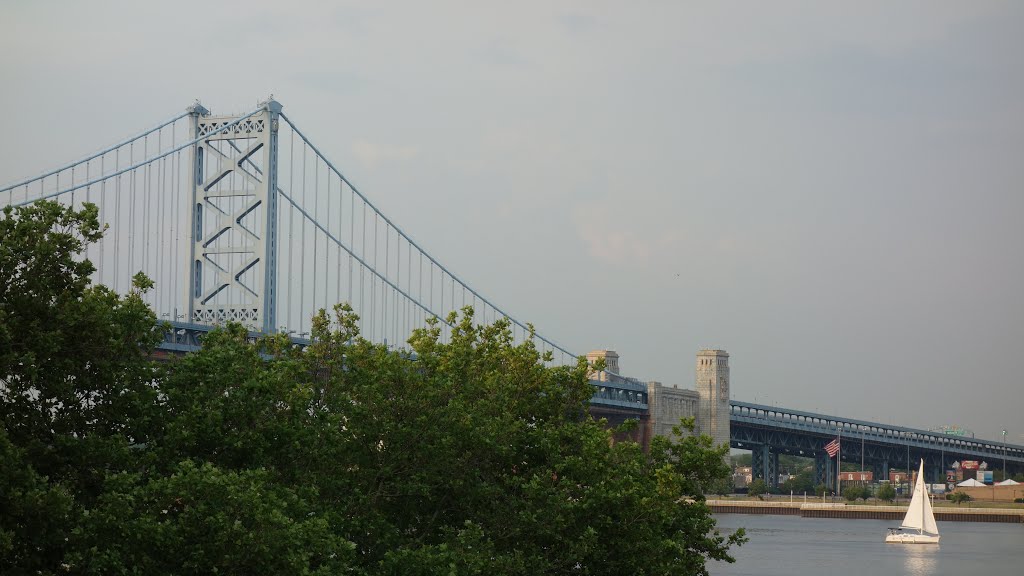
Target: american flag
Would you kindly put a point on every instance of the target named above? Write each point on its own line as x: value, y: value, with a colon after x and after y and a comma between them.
x: 832, y: 448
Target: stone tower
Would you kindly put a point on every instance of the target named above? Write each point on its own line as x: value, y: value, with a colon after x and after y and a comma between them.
x: 611, y: 364
x: 713, y: 389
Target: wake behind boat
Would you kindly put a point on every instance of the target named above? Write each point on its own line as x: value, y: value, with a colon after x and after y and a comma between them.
x: 919, y: 517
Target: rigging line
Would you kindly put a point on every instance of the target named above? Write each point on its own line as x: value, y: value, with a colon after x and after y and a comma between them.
x: 351, y: 254
x: 406, y: 236
x: 96, y: 155
x: 140, y: 164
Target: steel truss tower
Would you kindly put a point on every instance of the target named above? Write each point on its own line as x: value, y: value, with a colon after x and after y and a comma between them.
x: 233, y: 233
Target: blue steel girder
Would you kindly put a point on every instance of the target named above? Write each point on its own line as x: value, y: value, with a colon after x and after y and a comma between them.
x: 184, y: 337
x: 624, y: 394
x: 884, y: 446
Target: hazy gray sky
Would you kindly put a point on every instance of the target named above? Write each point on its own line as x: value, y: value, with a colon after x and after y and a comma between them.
x: 831, y: 192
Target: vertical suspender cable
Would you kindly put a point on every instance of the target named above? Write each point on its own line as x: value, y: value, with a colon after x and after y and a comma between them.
x: 316, y: 212
x: 176, y: 270
x: 131, y: 211
x: 302, y: 262
x: 291, y: 227
x: 117, y: 216
x: 351, y: 242
x: 103, y: 189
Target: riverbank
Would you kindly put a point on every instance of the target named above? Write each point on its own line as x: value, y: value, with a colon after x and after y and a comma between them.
x: 848, y: 511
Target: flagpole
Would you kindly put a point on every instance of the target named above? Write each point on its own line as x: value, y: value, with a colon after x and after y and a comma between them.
x: 839, y: 460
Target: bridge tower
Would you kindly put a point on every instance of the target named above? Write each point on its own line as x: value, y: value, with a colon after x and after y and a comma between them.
x: 713, y: 389
x: 233, y: 233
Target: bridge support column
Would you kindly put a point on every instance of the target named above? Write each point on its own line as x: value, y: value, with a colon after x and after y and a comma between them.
x: 821, y: 470
x: 233, y: 232
x: 764, y: 464
x: 757, y: 462
x: 880, y: 469
x: 771, y: 467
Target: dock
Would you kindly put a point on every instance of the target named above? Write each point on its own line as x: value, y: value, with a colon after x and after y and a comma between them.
x: 843, y: 510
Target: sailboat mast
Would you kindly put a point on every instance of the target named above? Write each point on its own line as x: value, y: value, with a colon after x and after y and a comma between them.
x: 924, y: 494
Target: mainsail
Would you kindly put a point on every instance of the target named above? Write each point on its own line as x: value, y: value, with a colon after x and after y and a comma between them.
x: 919, y: 513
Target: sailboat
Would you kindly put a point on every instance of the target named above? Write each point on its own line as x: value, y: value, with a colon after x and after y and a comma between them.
x: 919, y: 517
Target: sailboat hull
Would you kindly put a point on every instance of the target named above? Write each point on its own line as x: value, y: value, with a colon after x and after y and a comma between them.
x: 911, y: 538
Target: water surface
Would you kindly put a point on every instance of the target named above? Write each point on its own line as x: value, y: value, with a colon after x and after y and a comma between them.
x: 792, y: 545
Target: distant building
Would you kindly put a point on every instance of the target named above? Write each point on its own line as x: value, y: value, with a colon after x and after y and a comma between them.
x: 862, y: 477
x: 742, y: 476
x: 897, y: 477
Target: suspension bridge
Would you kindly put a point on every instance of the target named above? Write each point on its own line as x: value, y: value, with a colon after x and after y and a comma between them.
x: 242, y: 218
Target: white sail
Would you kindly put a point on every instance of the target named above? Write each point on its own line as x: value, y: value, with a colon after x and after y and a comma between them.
x: 919, y: 513
x: 915, y: 512
x: 929, y: 517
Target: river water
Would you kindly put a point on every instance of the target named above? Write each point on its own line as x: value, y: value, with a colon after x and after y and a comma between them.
x: 792, y: 546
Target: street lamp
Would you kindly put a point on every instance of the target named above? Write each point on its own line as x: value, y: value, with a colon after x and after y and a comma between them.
x: 1004, y: 455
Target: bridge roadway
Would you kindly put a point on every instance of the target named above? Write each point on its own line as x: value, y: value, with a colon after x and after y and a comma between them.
x: 768, y: 431
x: 618, y: 400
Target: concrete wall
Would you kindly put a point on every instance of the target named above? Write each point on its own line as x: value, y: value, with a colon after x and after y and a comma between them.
x: 993, y: 493
x: 667, y: 405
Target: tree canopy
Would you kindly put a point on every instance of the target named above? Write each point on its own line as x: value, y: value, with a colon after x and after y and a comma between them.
x: 886, y: 492
x: 461, y: 456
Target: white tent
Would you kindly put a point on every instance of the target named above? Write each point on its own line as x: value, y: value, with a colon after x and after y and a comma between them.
x: 1007, y: 482
x: 971, y: 482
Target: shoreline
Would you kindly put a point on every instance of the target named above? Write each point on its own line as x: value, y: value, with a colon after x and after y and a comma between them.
x: 866, y: 512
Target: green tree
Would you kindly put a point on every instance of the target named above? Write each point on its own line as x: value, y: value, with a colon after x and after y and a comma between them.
x: 721, y: 487
x: 799, y: 484
x: 853, y: 493
x: 886, y: 492
x: 75, y: 385
x: 757, y: 487
x: 463, y: 456
x: 959, y: 497
x: 743, y: 459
